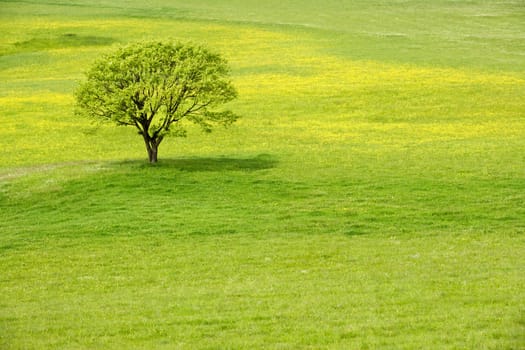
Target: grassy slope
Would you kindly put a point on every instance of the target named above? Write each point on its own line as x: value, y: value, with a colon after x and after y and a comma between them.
x: 372, y: 195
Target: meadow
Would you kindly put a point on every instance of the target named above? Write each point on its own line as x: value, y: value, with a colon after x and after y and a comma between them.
x: 372, y: 196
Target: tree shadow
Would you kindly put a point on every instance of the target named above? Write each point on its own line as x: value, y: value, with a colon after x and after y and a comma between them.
x: 202, y: 164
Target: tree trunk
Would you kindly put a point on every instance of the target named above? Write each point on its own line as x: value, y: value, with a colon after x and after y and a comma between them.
x: 152, y: 154
x: 152, y: 146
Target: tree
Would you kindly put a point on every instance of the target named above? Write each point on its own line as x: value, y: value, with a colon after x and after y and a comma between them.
x: 154, y: 86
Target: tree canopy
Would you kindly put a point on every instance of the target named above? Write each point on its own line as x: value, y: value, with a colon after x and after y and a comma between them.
x: 154, y: 86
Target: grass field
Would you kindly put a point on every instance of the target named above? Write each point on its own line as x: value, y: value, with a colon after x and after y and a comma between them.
x: 371, y: 197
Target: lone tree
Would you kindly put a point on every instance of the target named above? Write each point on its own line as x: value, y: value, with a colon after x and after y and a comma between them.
x: 154, y: 86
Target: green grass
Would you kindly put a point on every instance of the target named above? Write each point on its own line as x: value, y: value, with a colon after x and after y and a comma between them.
x: 372, y: 195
